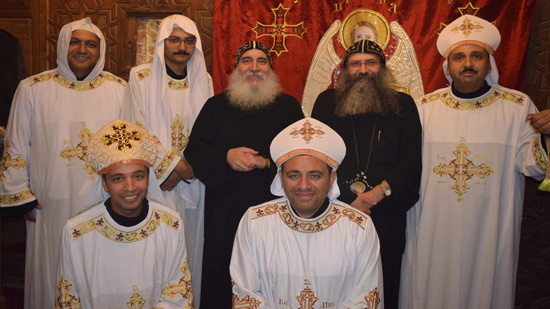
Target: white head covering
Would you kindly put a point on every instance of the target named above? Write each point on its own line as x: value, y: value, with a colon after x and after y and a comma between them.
x: 470, y: 30
x: 159, y: 113
x: 63, y: 48
x: 307, y: 136
x: 117, y: 143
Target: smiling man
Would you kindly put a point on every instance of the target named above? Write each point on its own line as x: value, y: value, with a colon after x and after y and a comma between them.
x: 479, y: 142
x: 381, y: 174
x: 306, y: 248
x: 229, y: 152
x: 166, y: 96
x: 128, y: 250
x: 51, y: 119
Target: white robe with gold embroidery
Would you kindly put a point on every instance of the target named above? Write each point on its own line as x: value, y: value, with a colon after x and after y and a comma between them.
x: 52, y: 120
x: 282, y: 261
x: 105, y: 265
x: 187, y: 199
x: 463, y: 234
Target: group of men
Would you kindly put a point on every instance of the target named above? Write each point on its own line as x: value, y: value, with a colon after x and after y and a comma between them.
x: 191, y: 199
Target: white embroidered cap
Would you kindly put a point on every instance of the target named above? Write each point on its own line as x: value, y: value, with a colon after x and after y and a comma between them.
x: 121, y: 142
x: 470, y: 30
x: 307, y: 136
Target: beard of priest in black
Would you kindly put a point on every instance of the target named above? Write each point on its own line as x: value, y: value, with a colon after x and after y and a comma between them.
x: 252, y: 97
x: 371, y: 95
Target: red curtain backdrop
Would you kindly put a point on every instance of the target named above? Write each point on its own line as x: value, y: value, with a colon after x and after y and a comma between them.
x: 235, y: 19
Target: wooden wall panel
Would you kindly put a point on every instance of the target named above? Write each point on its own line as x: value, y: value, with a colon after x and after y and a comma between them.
x: 117, y: 20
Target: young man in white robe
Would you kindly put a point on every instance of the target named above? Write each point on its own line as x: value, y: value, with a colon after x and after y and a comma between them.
x: 45, y: 173
x: 128, y: 250
x: 166, y: 96
x: 306, y: 248
x: 479, y: 143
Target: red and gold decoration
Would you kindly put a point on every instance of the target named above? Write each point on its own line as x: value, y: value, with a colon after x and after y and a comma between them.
x: 293, y: 30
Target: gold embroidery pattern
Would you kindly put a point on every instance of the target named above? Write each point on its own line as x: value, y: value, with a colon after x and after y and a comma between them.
x: 177, y: 84
x: 447, y: 99
x: 183, y: 287
x: 17, y: 197
x: 279, y: 30
x: 467, y: 27
x: 330, y: 161
x: 141, y: 74
x: 334, y: 214
x: 65, y: 299
x: 121, y: 136
x: 136, y: 301
x: 307, y: 132
x: 179, y: 140
x: 539, y: 154
x: 462, y: 169
x: 373, y: 299
x: 80, y: 150
x: 164, y: 164
x: 101, y: 225
x: 307, y: 298
x: 246, y: 302
x: 8, y: 161
x: 79, y: 86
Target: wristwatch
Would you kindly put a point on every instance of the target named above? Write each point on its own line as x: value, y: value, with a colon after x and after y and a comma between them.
x: 385, y: 189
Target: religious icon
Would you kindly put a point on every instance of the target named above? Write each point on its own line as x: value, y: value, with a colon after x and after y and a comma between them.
x: 358, y: 25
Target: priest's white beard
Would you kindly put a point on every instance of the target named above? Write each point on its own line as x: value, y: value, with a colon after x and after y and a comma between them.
x: 374, y: 95
x: 250, y: 97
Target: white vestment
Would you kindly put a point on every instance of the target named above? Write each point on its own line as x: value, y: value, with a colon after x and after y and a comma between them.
x: 52, y: 120
x: 280, y: 260
x: 106, y: 265
x: 463, y: 234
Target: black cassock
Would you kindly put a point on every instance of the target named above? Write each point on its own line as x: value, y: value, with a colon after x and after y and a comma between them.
x: 395, y: 157
x: 218, y: 128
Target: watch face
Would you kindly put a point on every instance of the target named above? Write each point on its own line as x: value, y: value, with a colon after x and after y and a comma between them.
x: 387, y: 192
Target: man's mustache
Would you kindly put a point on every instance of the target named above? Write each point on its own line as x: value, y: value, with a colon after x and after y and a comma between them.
x: 468, y: 69
x: 181, y: 52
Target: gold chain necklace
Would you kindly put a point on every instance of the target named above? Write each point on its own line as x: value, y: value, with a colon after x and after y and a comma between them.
x: 359, y: 183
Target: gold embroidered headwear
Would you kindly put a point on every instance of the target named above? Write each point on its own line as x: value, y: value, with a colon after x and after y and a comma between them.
x: 470, y: 30
x: 121, y: 142
x: 366, y: 47
x: 311, y: 137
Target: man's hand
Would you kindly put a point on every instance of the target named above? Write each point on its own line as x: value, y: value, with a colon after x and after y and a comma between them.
x: 29, y: 216
x: 184, y: 169
x: 171, y: 182
x: 540, y: 121
x: 243, y: 159
x: 366, y: 200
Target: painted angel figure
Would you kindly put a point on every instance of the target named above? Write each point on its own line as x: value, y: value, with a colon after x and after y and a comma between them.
x: 363, y: 24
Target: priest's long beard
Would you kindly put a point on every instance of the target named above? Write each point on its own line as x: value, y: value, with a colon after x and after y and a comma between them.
x: 374, y: 95
x: 249, y: 97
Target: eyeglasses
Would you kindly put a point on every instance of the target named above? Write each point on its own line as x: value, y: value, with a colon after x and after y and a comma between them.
x: 358, y: 64
x: 177, y: 40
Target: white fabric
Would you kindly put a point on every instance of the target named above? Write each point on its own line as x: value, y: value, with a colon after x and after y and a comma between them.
x: 52, y: 113
x: 162, y: 104
x: 63, y: 48
x: 468, y: 29
x: 104, y: 272
x: 462, y: 251
x: 46, y: 119
x: 336, y: 258
x: 307, y: 136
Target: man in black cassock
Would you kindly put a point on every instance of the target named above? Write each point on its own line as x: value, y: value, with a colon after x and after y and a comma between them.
x: 229, y: 151
x: 380, y: 174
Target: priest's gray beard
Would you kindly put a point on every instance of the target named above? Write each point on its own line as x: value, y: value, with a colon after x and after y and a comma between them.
x: 250, y: 97
x: 374, y: 95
